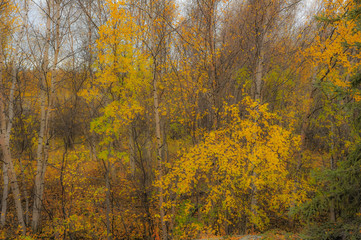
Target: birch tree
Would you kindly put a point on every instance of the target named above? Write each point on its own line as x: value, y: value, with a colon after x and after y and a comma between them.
x: 47, y: 90
x: 7, y: 115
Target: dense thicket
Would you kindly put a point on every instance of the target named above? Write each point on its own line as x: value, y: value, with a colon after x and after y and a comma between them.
x: 165, y: 119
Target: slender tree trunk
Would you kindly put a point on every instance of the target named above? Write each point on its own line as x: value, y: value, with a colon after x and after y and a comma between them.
x: 159, y: 55
x: 8, y: 132
x: 26, y: 196
x: 40, y: 161
x: 45, y: 109
x: 257, y: 97
x: 259, y: 75
x: 5, y: 147
x: 333, y: 166
x: 14, y: 185
x: 159, y: 150
x: 5, y: 195
x: 49, y: 111
x: 212, y: 68
x: 107, y: 200
x: 6, y: 127
x: 132, y: 149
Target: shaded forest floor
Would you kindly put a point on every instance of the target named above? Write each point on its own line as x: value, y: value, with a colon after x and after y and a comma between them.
x: 270, y: 235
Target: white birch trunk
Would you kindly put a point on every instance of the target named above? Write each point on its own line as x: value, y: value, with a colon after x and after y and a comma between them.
x: 257, y: 97
x: 45, y: 116
x: 5, y: 147
x: 259, y: 75
x: 159, y: 151
x: 6, y: 127
x: 8, y: 132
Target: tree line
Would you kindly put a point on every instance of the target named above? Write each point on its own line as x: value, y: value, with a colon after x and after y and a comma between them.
x: 160, y: 119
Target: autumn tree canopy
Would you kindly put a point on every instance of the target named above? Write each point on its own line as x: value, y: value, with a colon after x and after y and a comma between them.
x: 165, y: 119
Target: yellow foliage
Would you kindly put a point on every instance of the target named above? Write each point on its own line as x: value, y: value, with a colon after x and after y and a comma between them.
x: 335, y: 48
x: 248, y: 157
x: 123, y: 71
